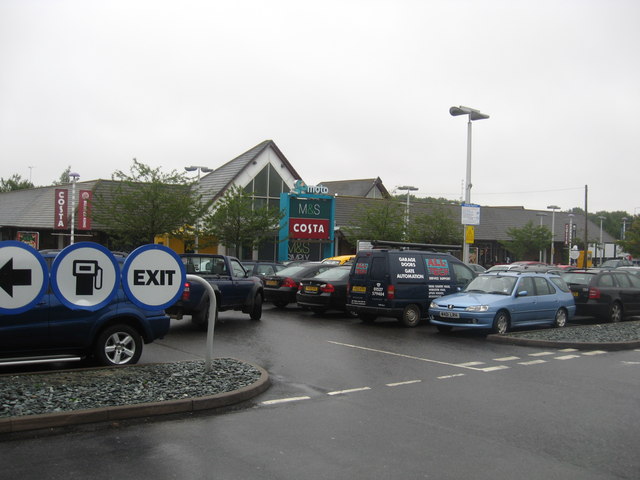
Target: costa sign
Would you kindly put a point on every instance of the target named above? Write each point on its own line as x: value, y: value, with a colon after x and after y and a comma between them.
x: 309, y: 228
x: 61, y: 198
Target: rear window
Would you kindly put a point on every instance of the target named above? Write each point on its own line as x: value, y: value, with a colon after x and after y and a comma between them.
x: 333, y: 274
x: 560, y: 283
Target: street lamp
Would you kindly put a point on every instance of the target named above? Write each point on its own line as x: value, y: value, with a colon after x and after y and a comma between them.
x: 553, y: 209
x: 409, y: 189
x: 74, y: 178
x: 570, y: 236
x: 541, y: 215
x: 473, y: 115
x: 199, y: 168
x: 601, y: 244
x: 624, y: 227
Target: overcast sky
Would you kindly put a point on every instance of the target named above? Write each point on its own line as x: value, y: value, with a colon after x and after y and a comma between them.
x: 347, y: 89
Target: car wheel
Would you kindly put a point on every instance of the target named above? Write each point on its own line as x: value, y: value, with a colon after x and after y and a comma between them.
x: 118, y: 345
x: 501, y: 323
x: 256, y: 311
x: 444, y: 328
x: 280, y: 303
x: 367, y: 317
x: 615, y: 312
x: 411, y: 315
x: 561, y: 318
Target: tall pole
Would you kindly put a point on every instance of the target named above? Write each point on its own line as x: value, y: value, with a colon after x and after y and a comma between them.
x: 601, y: 243
x: 570, y: 237
x: 407, y: 210
x: 467, y: 193
x: 74, y: 179
x: 585, y: 264
x: 553, y: 209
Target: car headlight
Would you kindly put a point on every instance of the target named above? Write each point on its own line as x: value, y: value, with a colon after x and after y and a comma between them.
x: 477, y: 308
x: 433, y: 305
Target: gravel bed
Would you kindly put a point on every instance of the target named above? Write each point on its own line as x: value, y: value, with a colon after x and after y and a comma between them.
x: 39, y: 393
x: 601, y: 333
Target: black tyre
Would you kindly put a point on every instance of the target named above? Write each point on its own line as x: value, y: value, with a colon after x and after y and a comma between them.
x: 280, y: 303
x: 615, y: 312
x: 256, y: 311
x: 444, y: 328
x: 411, y: 315
x: 501, y: 323
x: 561, y: 318
x: 118, y: 345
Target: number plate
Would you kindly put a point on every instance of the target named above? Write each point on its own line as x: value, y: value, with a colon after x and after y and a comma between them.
x: 449, y: 314
x: 575, y: 294
x: 359, y: 289
x: 271, y: 283
x: 310, y: 289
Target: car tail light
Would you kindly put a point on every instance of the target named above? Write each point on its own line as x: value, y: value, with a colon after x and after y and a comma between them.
x: 327, y: 288
x: 594, y: 293
x: 186, y: 293
x: 289, y: 283
x: 300, y: 287
x: 391, y: 292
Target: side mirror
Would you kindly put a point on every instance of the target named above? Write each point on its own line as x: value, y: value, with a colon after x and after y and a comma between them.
x: 522, y: 293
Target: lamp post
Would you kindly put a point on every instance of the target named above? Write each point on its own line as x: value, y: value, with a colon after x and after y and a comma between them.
x: 624, y: 227
x: 541, y: 215
x: 473, y: 114
x: 553, y: 209
x: 199, y: 168
x: 74, y: 178
x: 409, y: 189
x: 601, y: 244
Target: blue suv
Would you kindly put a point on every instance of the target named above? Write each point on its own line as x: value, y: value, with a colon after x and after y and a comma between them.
x: 51, y: 332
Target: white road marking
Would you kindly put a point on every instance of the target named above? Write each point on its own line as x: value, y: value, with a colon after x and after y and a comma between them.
x: 411, y: 357
x: 350, y: 390
x: 631, y: 363
x: 541, y: 354
x: 505, y: 359
x: 566, y: 357
x: 398, y: 384
x: 470, y: 364
x: 444, y: 377
x: 284, y: 400
x: 493, y: 369
x: 568, y: 350
x: 595, y: 352
x: 532, y: 362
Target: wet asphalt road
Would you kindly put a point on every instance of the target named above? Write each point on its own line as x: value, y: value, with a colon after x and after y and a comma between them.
x: 351, y: 400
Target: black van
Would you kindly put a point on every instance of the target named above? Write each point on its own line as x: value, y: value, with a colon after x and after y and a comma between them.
x: 402, y: 283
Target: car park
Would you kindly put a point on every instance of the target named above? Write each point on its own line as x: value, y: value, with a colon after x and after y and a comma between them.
x: 605, y: 294
x: 52, y: 332
x: 401, y: 283
x: 504, y: 300
x: 325, y: 291
x: 281, y: 288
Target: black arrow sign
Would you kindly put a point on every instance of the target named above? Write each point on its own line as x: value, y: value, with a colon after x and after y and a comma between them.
x: 10, y: 278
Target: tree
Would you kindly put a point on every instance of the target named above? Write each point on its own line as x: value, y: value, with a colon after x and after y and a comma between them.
x: 65, y: 177
x: 526, y: 242
x: 382, y: 221
x: 14, y: 182
x: 235, y: 222
x: 631, y: 242
x: 435, y: 227
x: 146, y: 202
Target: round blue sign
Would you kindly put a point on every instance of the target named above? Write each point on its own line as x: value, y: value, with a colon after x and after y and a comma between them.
x: 23, y: 277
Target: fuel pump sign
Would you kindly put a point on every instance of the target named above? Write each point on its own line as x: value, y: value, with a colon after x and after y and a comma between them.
x: 85, y: 276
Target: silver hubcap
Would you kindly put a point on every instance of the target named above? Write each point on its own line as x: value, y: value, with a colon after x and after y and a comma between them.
x: 120, y: 348
x: 561, y: 318
x: 501, y: 324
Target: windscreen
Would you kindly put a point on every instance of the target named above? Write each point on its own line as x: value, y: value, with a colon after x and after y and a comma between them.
x: 492, y: 284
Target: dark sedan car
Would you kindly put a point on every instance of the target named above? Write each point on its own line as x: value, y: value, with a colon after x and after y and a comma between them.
x: 260, y: 269
x: 607, y: 294
x: 325, y: 291
x: 281, y: 288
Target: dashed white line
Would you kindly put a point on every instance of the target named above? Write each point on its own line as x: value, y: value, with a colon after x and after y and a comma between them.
x: 398, y: 384
x: 493, y: 369
x: 284, y: 400
x: 470, y: 364
x: 532, y: 362
x: 505, y: 359
x: 568, y: 350
x: 350, y: 390
x: 566, y: 357
x: 595, y: 352
x: 444, y: 377
x: 541, y: 354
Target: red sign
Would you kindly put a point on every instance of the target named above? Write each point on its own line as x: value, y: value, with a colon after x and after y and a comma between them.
x: 309, y: 228
x: 84, y: 210
x: 60, y: 221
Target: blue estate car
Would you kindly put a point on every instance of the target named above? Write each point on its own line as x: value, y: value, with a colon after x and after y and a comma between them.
x: 502, y: 300
x: 51, y: 332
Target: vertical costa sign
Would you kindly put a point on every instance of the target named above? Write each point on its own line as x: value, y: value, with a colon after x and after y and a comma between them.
x: 84, y: 210
x: 60, y: 221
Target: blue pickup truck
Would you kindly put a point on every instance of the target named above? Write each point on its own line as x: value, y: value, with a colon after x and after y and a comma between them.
x: 234, y: 287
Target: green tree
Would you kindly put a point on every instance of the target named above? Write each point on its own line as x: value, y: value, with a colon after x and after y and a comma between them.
x: 14, y: 182
x: 631, y: 242
x: 435, y: 227
x: 235, y: 222
x: 383, y: 220
x: 526, y: 242
x: 144, y: 203
x: 65, y: 177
